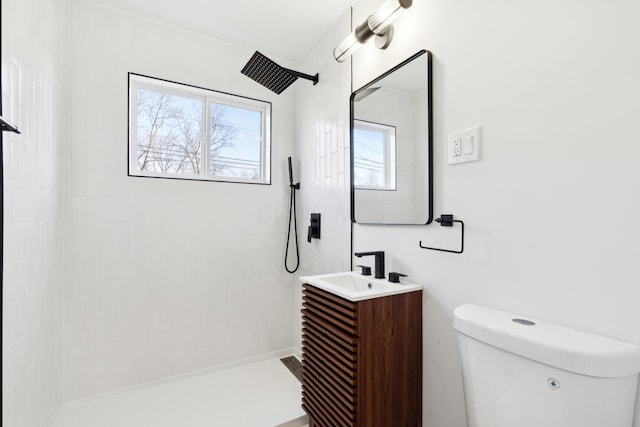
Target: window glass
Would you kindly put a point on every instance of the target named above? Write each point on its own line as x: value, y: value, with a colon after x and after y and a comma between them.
x: 169, y: 132
x: 235, y: 145
x: 170, y: 122
x: 373, y: 156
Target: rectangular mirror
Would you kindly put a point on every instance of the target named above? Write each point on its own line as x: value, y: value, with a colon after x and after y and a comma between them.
x: 391, y: 146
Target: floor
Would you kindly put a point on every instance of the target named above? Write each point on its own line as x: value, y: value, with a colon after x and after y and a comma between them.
x: 262, y: 394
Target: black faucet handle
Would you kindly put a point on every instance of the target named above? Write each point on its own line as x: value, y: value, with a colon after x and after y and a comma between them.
x: 366, y: 270
x: 379, y: 263
x: 395, y: 277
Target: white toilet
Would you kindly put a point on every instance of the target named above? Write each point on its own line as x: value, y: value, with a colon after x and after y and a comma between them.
x: 522, y: 372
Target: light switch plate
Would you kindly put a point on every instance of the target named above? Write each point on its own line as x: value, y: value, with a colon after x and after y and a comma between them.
x: 464, y: 146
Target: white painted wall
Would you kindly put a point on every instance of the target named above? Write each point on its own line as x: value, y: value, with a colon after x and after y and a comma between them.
x: 165, y: 276
x: 551, y: 207
x: 33, y: 75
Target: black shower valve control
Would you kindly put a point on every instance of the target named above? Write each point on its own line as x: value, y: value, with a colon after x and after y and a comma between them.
x: 366, y: 270
x: 313, y: 232
x: 395, y: 277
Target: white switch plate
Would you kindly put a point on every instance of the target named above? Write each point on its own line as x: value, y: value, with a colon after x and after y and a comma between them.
x: 464, y: 146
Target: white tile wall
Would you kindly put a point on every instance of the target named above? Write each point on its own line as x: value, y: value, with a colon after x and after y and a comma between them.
x: 33, y: 97
x: 165, y: 276
x: 322, y: 150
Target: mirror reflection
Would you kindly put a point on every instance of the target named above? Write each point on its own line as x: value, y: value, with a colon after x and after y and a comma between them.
x: 391, y: 173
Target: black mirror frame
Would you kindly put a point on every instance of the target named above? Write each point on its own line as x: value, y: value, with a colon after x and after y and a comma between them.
x: 429, y: 135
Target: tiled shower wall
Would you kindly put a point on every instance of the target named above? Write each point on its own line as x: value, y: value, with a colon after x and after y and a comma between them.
x: 33, y: 67
x: 165, y: 276
x: 322, y: 150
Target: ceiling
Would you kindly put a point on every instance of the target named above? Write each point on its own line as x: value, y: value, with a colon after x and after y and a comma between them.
x: 285, y: 29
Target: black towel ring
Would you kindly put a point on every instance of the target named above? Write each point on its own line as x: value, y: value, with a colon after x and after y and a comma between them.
x: 447, y: 221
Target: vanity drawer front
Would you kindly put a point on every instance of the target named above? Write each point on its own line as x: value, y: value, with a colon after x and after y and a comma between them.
x: 337, y: 311
x: 331, y: 363
x: 329, y: 352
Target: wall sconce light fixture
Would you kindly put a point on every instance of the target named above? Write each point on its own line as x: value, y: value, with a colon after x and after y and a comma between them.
x: 378, y: 25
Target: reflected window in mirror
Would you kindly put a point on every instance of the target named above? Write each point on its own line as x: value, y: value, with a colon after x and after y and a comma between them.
x: 374, y: 156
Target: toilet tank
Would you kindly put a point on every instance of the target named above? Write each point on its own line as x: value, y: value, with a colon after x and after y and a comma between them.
x: 523, y: 372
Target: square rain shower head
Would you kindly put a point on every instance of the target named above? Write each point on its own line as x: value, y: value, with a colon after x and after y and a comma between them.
x: 363, y: 93
x: 268, y: 73
x: 271, y: 75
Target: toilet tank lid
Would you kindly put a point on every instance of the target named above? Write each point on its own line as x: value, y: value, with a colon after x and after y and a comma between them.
x: 565, y: 348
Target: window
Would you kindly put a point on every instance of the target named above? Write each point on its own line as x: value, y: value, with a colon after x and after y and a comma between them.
x: 186, y: 132
x: 374, y: 156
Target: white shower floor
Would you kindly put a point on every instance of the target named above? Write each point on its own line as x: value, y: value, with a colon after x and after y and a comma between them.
x: 262, y: 394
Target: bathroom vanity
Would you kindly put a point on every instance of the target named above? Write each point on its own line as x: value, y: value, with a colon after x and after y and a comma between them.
x: 362, y: 359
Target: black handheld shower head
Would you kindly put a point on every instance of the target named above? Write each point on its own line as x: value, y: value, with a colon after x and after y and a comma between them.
x: 271, y: 75
x: 291, y: 184
x: 290, y: 171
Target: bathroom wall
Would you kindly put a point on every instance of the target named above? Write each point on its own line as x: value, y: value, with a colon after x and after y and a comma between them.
x: 550, y: 209
x: 322, y: 151
x: 165, y: 276
x: 35, y: 171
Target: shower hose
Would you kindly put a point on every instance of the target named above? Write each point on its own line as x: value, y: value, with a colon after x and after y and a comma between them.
x: 292, y: 210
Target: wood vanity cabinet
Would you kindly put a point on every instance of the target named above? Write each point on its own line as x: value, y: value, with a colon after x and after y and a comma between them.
x: 362, y: 361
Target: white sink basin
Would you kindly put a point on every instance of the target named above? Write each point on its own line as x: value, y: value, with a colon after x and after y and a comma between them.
x: 356, y: 287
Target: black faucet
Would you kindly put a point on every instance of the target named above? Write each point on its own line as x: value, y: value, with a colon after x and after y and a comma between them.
x: 379, y: 270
